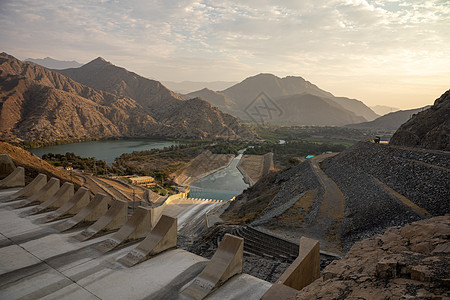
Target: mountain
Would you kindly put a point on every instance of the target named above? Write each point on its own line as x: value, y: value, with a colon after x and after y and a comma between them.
x: 383, y: 110
x: 193, y: 117
x: 37, y: 104
x: 241, y: 97
x: 307, y: 109
x: 247, y: 90
x: 217, y: 99
x: 51, y: 63
x: 186, y: 87
x: 391, y: 121
x: 427, y: 129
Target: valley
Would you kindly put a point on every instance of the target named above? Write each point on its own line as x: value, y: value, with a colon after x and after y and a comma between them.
x: 317, y: 170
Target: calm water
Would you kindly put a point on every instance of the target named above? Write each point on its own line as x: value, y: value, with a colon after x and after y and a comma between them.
x: 104, y: 150
x: 221, y: 185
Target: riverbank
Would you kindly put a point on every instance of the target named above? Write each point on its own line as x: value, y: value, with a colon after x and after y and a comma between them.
x: 253, y: 167
x: 206, y: 163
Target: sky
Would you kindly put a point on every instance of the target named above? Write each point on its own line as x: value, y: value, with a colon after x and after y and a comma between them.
x: 392, y: 52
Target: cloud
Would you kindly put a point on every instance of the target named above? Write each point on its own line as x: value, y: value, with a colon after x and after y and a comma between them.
x: 229, y: 40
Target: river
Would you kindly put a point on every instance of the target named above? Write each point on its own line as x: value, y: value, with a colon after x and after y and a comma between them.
x: 221, y: 185
x: 104, y: 150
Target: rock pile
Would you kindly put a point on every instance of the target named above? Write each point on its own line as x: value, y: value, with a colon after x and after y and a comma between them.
x: 410, y: 262
x: 420, y: 176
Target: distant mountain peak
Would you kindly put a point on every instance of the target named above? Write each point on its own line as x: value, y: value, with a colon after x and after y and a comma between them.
x: 99, y: 61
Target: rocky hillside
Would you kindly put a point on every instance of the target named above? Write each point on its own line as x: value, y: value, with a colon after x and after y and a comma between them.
x: 390, y: 121
x: 33, y: 165
x: 37, y: 104
x: 410, y: 262
x: 188, y: 118
x: 428, y: 129
x: 217, y: 99
x: 307, y: 109
x: 245, y: 91
x: 348, y: 197
x: 303, y: 96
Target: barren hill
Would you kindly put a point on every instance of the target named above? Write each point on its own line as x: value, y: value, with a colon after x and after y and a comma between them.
x: 217, y: 99
x: 244, y: 92
x: 33, y: 165
x: 427, y: 129
x: 41, y: 105
x: 307, y: 109
x: 390, y: 121
x: 237, y: 99
x: 188, y: 118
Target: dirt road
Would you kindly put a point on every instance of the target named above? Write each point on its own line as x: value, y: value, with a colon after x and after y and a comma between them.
x: 332, y: 208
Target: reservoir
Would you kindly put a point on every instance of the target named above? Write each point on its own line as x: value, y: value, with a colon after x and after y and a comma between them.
x: 104, y: 150
x: 221, y: 185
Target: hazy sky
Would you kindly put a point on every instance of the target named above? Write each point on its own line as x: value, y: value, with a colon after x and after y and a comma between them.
x: 391, y: 52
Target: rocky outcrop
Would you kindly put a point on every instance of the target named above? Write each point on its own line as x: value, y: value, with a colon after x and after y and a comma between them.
x: 428, y: 129
x: 410, y: 262
x: 37, y: 104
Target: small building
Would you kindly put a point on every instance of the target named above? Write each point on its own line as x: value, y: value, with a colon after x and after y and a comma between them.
x: 141, y: 180
x: 69, y: 168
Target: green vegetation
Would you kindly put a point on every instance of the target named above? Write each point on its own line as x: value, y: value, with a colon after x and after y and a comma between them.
x: 304, y: 140
x: 330, y: 134
x: 286, y: 153
x: 98, y: 167
x: 159, y: 190
x: 158, y: 163
x: 231, y: 147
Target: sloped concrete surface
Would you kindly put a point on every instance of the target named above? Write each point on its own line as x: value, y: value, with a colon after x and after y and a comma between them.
x: 39, y: 262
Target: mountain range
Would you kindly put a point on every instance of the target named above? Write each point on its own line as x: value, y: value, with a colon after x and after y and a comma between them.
x: 383, y: 109
x: 51, y: 63
x: 390, y: 121
x: 186, y: 87
x: 297, y: 100
x: 38, y: 104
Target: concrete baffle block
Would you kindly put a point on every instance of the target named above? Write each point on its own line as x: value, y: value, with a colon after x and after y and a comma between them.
x: 304, y: 270
x: 89, y: 214
x: 15, y: 179
x: 225, y: 263
x: 43, y: 195
x: 115, y: 217
x: 137, y: 227
x: 6, y: 165
x: 30, y: 189
x: 71, y: 207
x: 62, y: 196
x: 162, y: 237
